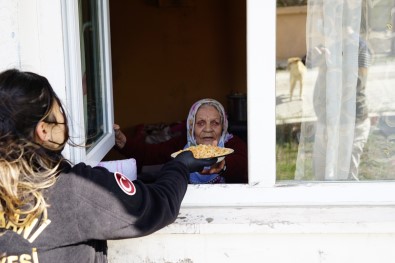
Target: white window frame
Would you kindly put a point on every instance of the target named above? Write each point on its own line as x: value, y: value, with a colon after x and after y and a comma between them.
x: 74, y: 97
x: 262, y: 189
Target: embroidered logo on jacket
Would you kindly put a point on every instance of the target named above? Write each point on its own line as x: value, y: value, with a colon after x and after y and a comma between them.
x: 125, y: 184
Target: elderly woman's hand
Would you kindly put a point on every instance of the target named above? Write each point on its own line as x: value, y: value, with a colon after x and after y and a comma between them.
x: 120, y: 138
x: 215, y: 168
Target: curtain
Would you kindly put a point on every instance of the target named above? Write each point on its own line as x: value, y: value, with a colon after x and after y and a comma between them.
x: 331, y: 144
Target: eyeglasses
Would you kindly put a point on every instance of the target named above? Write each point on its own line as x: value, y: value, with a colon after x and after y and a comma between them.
x: 55, y: 122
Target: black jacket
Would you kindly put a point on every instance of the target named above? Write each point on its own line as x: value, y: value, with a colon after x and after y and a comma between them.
x: 91, y: 205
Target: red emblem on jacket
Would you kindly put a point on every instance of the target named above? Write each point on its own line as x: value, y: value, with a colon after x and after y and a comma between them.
x: 125, y: 184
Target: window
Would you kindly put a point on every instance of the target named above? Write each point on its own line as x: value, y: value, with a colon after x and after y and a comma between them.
x: 92, y: 63
x: 88, y: 77
x: 263, y: 187
x: 339, y: 124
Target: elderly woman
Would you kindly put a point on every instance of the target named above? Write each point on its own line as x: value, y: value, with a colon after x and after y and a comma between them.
x: 206, y: 124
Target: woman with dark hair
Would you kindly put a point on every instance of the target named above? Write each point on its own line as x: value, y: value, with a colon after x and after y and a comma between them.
x: 52, y: 211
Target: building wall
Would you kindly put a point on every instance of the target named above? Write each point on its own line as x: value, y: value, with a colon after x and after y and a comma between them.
x: 28, y: 43
x: 9, y: 36
x: 255, y: 248
x: 291, y: 32
x: 267, y: 234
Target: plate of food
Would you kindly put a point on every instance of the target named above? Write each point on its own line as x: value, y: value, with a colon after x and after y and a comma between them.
x: 202, y: 151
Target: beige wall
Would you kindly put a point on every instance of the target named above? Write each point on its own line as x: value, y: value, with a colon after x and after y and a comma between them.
x: 291, y: 32
x: 166, y: 58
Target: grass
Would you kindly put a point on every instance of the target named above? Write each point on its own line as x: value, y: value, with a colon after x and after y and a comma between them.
x: 377, y: 160
x: 286, y: 154
x: 286, y: 151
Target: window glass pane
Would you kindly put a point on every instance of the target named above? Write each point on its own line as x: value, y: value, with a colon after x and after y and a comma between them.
x: 92, y: 71
x: 335, y: 101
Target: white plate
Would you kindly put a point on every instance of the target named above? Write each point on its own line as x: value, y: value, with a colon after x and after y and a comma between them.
x: 220, y: 157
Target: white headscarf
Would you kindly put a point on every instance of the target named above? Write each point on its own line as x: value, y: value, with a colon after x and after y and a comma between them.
x: 225, y: 136
x: 197, y: 178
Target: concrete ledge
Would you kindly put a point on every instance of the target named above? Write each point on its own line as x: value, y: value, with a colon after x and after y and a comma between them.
x: 267, y: 234
x: 345, y: 219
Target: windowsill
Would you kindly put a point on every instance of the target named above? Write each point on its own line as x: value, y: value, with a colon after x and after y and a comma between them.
x: 291, y: 194
x: 271, y: 220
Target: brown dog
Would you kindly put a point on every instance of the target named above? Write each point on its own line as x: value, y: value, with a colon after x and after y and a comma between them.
x: 296, y: 73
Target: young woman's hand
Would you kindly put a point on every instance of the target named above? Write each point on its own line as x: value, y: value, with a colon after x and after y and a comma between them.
x: 193, y: 164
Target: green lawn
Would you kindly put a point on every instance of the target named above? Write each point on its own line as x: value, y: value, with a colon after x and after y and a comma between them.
x: 377, y: 160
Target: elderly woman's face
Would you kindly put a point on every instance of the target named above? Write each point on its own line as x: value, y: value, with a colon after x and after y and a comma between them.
x: 208, y: 125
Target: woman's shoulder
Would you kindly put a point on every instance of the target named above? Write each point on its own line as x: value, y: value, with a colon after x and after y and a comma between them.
x: 82, y: 170
x: 235, y: 141
x: 82, y: 178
